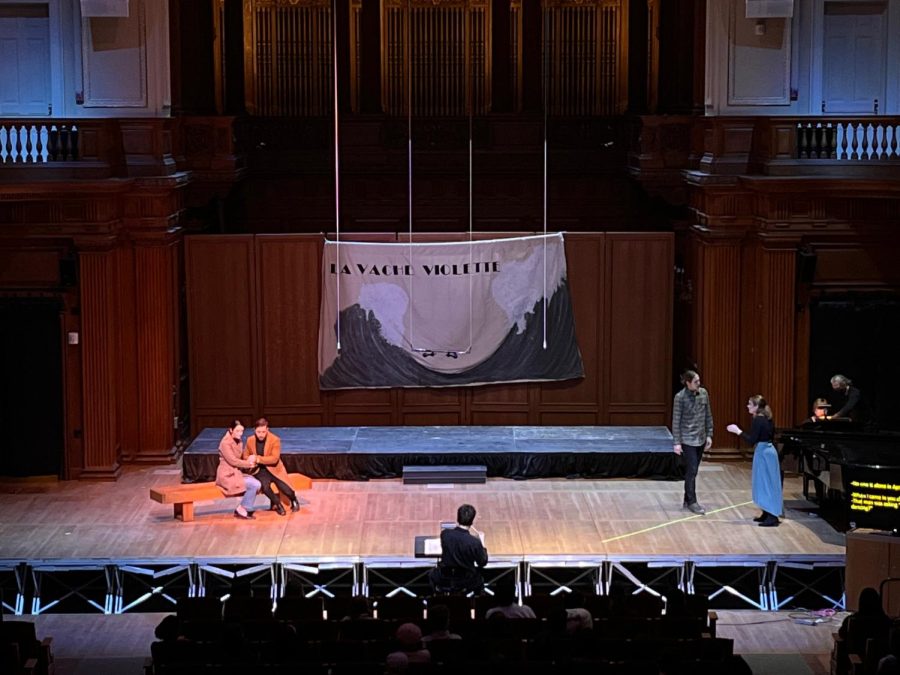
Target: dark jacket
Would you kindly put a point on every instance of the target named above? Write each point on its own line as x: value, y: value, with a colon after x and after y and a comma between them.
x: 460, y: 548
x: 462, y: 558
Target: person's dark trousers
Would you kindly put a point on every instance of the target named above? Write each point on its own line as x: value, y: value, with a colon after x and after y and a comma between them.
x: 692, y: 455
x: 455, y: 580
x: 266, y: 478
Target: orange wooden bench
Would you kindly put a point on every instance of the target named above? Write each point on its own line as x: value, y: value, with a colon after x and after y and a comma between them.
x: 183, y: 496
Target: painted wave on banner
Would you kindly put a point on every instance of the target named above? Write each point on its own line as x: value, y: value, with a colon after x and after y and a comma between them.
x: 434, y: 315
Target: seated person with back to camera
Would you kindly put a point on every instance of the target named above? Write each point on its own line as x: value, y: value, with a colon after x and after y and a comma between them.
x: 463, y: 556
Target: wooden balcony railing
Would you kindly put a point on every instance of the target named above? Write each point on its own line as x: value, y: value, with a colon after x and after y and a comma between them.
x: 862, y: 139
x: 53, y: 149
x: 30, y: 143
x: 827, y: 145
x: 861, y: 147
x: 61, y: 148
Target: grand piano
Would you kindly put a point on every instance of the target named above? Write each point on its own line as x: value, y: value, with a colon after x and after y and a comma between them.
x: 846, y: 464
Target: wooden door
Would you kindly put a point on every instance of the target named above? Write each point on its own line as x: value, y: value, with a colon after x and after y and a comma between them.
x: 854, y: 59
x: 24, y: 60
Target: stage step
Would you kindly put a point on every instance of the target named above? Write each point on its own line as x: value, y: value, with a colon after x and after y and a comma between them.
x: 421, y: 475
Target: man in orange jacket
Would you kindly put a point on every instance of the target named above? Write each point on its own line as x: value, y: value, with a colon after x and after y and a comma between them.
x: 265, y: 447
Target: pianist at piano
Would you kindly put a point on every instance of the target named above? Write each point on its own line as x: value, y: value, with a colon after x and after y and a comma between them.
x: 845, y: 399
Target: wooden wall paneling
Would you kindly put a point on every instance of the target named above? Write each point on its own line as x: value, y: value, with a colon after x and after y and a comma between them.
x: 778, y: 276
x: 499, y: 418
x: 72, y: 389
x: 182, y: 396
x: 221, y: 335
x: 871, y: 557
x: 860, y: 265
x: 36, y: 267
x: 99, y: 358
x: 801, y: 355
x: 288, y: 296
x: 441, y: 397
x: 376, y: 406
x: 635, y: 417
x: 639, y: 274
x: 891, y: 596
x: 156, y: 301
x: 500, y: 397
x: 718, y: 294
x: 128, y: 366
x: 441, y: 406
x: 752, y: 332
x: 362, y: 418
x: 585, y: 259
x: 685, y: 343
x: 563, y: 418
x: 432, y: 418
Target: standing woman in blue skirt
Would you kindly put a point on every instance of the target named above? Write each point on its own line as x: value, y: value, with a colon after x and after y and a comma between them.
x: 766, y: 482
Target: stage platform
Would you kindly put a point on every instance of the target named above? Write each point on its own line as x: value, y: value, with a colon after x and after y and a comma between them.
x: 361, y: 453
x: 112, y: 549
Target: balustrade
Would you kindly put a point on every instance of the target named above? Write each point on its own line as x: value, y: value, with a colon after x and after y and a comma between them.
x: 864, y: 139
x: 31, y: 142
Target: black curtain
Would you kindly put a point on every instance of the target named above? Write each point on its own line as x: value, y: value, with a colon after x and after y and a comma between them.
x: 31, y: 395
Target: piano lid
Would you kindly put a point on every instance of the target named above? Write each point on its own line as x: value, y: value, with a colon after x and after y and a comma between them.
x: 846, y: 446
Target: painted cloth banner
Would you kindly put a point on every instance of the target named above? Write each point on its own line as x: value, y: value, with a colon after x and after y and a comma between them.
x: 446, y: 314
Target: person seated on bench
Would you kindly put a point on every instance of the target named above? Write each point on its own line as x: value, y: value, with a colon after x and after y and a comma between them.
x: 265, y: 448
x: 230, y: 476
x: 463, y: 556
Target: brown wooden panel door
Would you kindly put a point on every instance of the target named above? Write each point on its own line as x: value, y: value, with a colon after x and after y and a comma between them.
x: 296, y: 419
x: 132, y: 358
x: 504, y: 394
x: 584, y: 262
x: 891, y: 595
x: 639, y: 419
x: 717, y: 307
x: 560, y: 418
x: 288, y: 330
x: 99, y: 354
x: 360, y: 397
x: 777, y: 341
x: 442, y: 397
x: 31, y: 268
x: 499, y: 418
x: 373, y: 406
x: 221, y: 325
x: 443, y: 406
x: 849, y: 266
x: 362, y: 419
x: 639, y: 286
x: 868, y: 563
x: 430, y: 419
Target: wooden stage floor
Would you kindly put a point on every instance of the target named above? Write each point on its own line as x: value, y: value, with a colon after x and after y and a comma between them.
x: 79, y: 521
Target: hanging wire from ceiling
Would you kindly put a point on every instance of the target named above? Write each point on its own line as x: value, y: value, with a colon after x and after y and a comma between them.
x: 337, y: 172
x: 544, y: 93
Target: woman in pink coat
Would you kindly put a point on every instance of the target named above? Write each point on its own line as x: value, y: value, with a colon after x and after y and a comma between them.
x: 230, y: 476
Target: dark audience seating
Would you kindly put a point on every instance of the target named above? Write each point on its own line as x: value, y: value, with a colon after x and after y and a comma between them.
x: 296, y: 639
x: 460, y: 606
x: 401, y: 606
x: 300, y: 609
x: 864, y: 645
x: 21, y: 651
